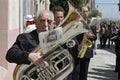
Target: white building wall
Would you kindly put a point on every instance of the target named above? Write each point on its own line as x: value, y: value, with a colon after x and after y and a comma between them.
x: 13, y: 21
x: 10, y: 22
x: 9, y: 29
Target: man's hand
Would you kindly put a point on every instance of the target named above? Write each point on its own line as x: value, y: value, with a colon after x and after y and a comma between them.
x: 90, y: 35
x: 36, y: 58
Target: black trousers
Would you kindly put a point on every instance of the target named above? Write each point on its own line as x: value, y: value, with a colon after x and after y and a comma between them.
x: 116, y: 64
x: 80, y: 71
x: 84, y: 66
x: 103, y: 40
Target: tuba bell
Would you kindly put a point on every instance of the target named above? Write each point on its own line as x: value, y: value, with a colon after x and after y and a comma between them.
x: 60, y: 61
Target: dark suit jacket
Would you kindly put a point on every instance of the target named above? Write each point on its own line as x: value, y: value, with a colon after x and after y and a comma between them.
x: 23, y: 45
x: 89, y: 51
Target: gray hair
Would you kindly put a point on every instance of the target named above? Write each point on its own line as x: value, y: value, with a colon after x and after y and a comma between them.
x: 42, y: 12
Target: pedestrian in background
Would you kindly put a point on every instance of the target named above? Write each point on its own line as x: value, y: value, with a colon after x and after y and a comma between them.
x: 29, y: 20
x: 102, y: 35
x: 30, y: 24
x: 108, y: 35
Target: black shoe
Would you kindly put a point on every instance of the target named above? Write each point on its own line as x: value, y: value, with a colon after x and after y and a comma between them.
x: 108, y: 46
x: 115, y: 70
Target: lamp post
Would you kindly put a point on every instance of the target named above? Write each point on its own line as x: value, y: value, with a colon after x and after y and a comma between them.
x: 119, y: 5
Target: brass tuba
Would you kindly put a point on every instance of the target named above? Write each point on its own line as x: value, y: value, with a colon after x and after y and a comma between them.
x: 60, y: 61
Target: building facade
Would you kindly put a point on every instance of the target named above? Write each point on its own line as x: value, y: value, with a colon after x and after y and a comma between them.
x: 12, y: 21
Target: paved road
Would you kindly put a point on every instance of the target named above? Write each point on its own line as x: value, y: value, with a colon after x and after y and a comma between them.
x: 102, y: 65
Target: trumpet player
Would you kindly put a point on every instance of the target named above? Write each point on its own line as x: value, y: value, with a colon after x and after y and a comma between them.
x: 83, y: 65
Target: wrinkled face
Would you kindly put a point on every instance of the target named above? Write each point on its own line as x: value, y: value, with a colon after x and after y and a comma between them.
x: 59, y: 16
x: 44, y: 21
x: 84, y: 12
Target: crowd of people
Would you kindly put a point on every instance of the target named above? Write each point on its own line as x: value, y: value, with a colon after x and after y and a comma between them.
x: 21, y: 51
x: 108, y: 36
x: 107, y: 33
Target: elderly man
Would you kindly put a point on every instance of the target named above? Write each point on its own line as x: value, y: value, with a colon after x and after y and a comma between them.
x: 21, y: 50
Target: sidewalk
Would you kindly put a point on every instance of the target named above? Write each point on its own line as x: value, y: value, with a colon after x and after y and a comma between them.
x: 102, y: 65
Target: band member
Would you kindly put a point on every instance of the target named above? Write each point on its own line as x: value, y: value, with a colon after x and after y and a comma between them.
x: 81, y: 65
x: 84, y: 62
x: 58, y: 14
x: 21, y: 50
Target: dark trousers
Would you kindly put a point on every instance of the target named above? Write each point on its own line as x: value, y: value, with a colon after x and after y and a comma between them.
x: 109, y: 39
x: 80, y: 71
x: 116, y: 64
x: 75, y: 74
x: 118, y: 75
x: 84, y: 65
x: 103, y: 40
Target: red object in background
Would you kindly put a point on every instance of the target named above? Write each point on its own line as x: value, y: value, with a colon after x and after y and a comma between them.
x: 29, y: 20
x: 29, y: 23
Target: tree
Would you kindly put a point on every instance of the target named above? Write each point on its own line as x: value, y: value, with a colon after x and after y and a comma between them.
x: 76, y: 3
x: 62, y: 3
x: 95, y: 13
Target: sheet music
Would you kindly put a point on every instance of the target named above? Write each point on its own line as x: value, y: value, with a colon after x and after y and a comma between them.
x: 95, y: 21
x: 51, y: 37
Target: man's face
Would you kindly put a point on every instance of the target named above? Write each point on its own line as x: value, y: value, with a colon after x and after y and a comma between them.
x: 84, y: 12
x: 44, y: 22
x: 59, y: 16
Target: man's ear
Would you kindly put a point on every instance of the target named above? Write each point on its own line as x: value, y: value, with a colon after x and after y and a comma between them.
x: 37, y: 21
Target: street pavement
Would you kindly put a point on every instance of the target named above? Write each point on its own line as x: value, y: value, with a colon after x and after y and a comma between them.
x: 102, y: 65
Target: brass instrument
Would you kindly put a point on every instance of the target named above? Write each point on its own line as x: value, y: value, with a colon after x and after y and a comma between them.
x: 60, y: 61
x: 70, y: 43
x: 85, y: 44
x: 73, y: 14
